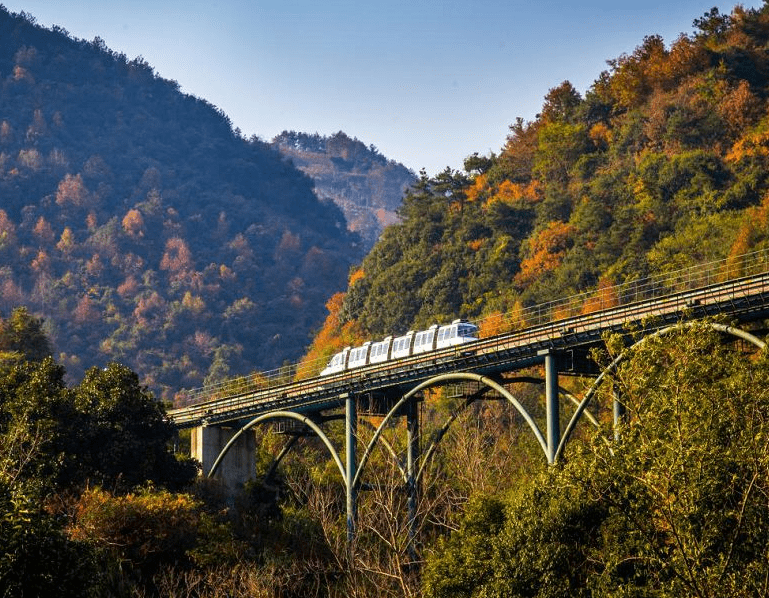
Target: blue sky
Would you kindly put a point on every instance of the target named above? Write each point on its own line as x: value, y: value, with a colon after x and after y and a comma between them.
x: 427, y: 82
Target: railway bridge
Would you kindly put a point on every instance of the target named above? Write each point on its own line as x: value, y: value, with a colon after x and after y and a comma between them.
x: 558, y: 336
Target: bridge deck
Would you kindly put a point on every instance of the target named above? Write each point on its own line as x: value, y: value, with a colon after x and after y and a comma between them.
x: 742, y: 299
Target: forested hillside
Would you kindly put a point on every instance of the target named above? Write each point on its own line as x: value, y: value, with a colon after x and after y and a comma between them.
x: 143, y: 228
x: 663, y: 163
x: 360, y: 180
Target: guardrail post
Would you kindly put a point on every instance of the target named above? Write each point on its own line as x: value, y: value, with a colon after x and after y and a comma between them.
x: 351, y: 428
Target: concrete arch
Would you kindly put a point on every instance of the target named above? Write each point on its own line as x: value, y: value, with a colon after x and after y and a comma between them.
x: 612, y: 367
x: 433, y: 382
x: 282, y: 415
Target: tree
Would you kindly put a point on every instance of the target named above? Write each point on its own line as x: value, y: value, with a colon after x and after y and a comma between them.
x: 712, y: 23
x: 43, y: 231
x: 66, y: 241
x: 561, y: 103
x: 22, y: 337
x: 35, y: 406
x: 475, y: 164
x: 676, y: 507
x: 38, y: 559
x: 72, y: 191
x: 133, y: 223
x: 125, y: 439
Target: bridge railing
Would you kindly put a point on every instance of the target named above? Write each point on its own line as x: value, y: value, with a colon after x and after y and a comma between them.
x: 605, y: 297
x: 642, y: 289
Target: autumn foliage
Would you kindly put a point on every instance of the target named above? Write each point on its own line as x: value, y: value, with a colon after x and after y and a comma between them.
x: 545, y: 251
x: 135, y: 218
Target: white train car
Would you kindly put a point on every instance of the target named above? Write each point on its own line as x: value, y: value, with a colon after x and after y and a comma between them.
x: 411, y: 343
x: 358, y: 356
x: 380, y: 352
x: 338, y: 363
x: 402, y: 345
x: 456, y: 333
x: 424, y: 341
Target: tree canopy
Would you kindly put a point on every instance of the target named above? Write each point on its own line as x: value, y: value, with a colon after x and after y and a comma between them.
x: 677, y: 506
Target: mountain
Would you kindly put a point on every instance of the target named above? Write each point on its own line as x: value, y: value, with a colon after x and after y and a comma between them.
x: 366, y: 185
x: 661, y: 165
x: 143, y: 228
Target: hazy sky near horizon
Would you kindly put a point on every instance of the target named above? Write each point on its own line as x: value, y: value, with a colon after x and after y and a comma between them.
x: 428, y: 82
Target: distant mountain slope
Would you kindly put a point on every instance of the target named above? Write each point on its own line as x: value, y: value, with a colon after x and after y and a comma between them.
x: 143, y: 228
x: 366, y: 185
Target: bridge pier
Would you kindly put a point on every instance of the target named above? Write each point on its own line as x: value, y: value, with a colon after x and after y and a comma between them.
x: 351, y: 429
x: 552, y: 406
x: 239, y: 463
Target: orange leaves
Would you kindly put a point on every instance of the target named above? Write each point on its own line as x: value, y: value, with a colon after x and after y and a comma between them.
x: 545, y: 251
x: 515, y: 194
x: 133, y: 223
x: 332, y: 337
x: 600, y: 135
x: 476, y: 244
x: 72, y: 191
x: 498, y: 323
x: 740, y: 107
x: 357, y: 275
x: 507, y: 192
x: 604, y: 298
x: 129, y: 287
x: 754, y: 231
x: 144, y: 526
x: 177, y: 258
x: 478, y: 188
x: 43, y: 231
x: 333, y: 305
x: 41, y: 262
x: 67, y: 241
x: 753, y: 144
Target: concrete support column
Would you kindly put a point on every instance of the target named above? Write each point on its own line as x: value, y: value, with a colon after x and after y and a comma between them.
x: 552, y: 406
x: 238, y: 465
x: 351, y: 429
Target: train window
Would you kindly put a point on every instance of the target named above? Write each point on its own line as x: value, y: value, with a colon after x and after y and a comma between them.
x: 401, y: 346
x: 358, y: 356
x: 424, y: 340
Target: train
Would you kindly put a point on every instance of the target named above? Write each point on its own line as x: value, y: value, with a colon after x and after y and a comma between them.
x: 412, y: 343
